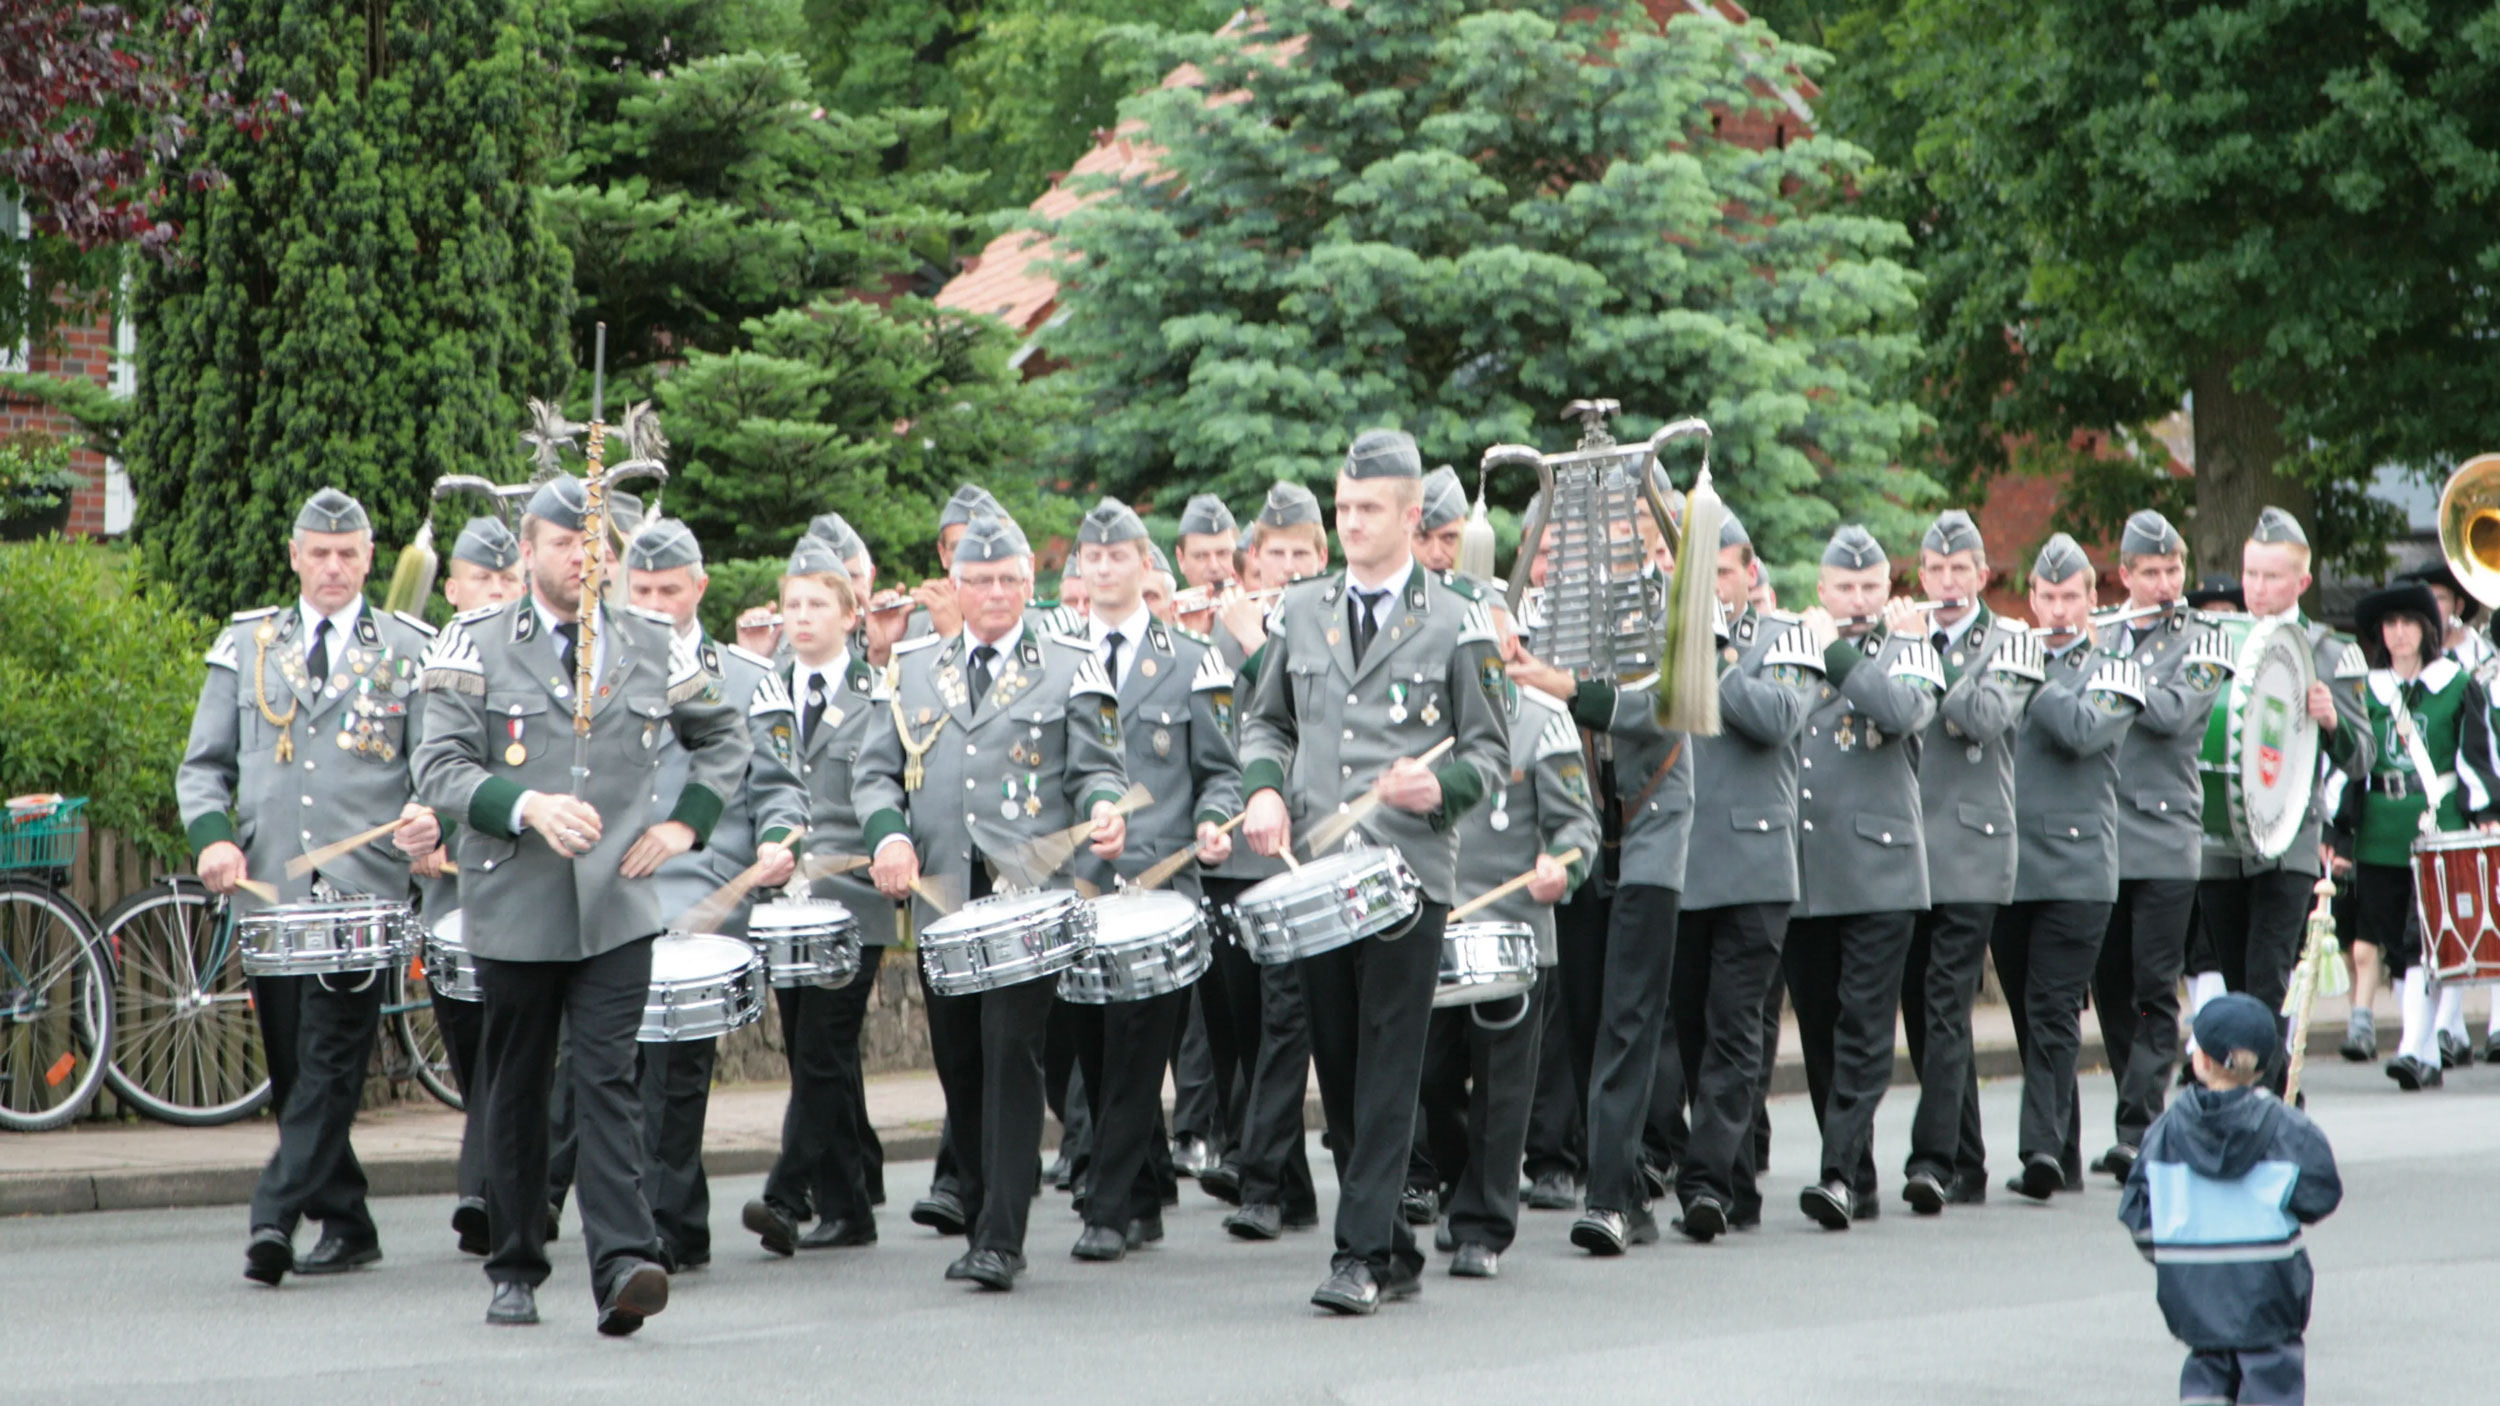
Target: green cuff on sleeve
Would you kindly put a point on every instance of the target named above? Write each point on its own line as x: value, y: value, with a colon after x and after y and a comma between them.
x: 450, y: 826
x: 1577, y: 869
x: 880, y: 827
x: 1210, y: 817
x: 1461, y: 787
x: 778, y: 835
x: 698, y: 807
x: 1262, y: 775
x: 490, y: 807
x: 212, y: 828
x: 1098, y: 798
x: 1839, y: 657
x: 1593, y: 705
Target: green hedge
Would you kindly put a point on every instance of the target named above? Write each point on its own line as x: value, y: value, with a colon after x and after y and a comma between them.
x: 735, y: 585
x: 98, y: 675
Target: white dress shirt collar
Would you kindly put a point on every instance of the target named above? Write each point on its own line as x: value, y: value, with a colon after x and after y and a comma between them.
x: 1132, y: 634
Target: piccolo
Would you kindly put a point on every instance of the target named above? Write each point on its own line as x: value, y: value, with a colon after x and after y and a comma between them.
x: 1197, y: 600
x: 1845, y: 622
x: 2114, y: 615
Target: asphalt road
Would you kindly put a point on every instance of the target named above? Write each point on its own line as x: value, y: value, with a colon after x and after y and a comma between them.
x: 2006, y: 1302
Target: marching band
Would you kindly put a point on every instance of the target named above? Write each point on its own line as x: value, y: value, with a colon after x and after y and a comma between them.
x: 1389, y: 819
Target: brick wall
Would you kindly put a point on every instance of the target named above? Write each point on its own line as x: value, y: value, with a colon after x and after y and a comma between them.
x: 86, y: 353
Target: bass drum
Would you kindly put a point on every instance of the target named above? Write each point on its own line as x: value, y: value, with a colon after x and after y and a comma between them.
x: 2260, y: 761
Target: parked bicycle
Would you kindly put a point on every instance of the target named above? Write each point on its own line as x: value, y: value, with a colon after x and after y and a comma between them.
x: 56, y: 983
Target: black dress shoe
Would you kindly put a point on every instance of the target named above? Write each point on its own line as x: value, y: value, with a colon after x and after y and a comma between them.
x: 1475, y: 1261
x: 1421, y: 1205
x: 2039, y: 1179
x: 1600, y: 1232
x: 1657, y: 1180
x: 994, y: 1270
x: 839, y: 1235
x: 1401, y: 1283
x: 778, y: 1232
x: 1350, y: 1290
x: 1703, y: 1221
x: 1223, y: 1182
x: 1258, y: 1221
x: 336, y: 1254
x: 1145, y: 1230
x: 514, y: 1305
x: 1101, y: 1244
x: 941, y: 1211
x: 1967, y: 1189
x: 1191, y: 1156
x: 2491, y: 1047
x: 269, y: 1256
x: 1553, y: 1191
x: 1827, y: 1203
x: 636, y: 1294
x: 2118, y: 1161
x: 1925, y: 1193
x: 2411, y: 1074
x: 1745, y: 1215
x: 468, y: 1221
x: 2455, y: 1051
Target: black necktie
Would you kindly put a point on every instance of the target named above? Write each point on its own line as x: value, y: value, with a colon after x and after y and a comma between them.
x: 1941, y: 640
x: 815, y: 709
x: 1366, y: 620
x: 317, y: 659
x: 568, y: 638
x: 981, y: 658
x: 1114, y: 640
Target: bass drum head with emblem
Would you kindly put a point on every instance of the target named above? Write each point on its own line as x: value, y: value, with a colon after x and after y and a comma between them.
x: 2270, y: 756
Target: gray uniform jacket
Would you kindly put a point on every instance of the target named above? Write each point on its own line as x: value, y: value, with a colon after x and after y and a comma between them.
x: 1653, y: 779
x: 499, y: 722
x: 1043, y: 747
x: 1319, y: 728
x: 1966, y: 771
x: 2340, y: 666
x: 2066, y: 773
x: 344, y: 765
x: 2161, y: 796
x: 1543, y: 807
x: 1862, y: 842
x: 1179, y: 748
x: 828, y: 760
x: 1241, y: 865
x: 768, y: 805
x: 1744, y: 844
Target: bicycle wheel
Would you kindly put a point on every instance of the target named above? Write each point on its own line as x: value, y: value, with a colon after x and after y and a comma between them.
x: 56, y: 1008
x: 188, y: 1047
x: 411, y: 1011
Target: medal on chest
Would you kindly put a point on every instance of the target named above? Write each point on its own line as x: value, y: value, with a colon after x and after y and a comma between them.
x: 1500, y: 818
x: 1397, y: 703
x: 517, y: 751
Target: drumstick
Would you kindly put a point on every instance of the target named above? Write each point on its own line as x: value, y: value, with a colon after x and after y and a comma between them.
x: 1086, y: 888
x: 1326, y: 834
x: 1163, y: 870
x: 936, y: 897
x: 1506, y: 888
x: 265, y: 892
x: 716, y: 905
x: 1050, y: 853
x: 826, y: 866
x: 305, y: 863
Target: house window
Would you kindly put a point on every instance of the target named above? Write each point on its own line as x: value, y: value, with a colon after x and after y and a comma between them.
x: 13, y: 227
x: 120, y: 503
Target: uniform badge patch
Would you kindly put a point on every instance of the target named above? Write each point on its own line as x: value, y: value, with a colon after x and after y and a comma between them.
x: 1575, y: 782
x: 1107, y: 722
x: 1220, y: 702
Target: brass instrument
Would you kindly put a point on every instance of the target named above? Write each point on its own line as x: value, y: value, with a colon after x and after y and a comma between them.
x: 2469, y: 527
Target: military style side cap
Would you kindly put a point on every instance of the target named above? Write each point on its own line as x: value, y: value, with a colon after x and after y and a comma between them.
x: 1383, y: 454
x: 1855, y: 548
x: 1110, y: 521
x: 1952, y: 531
x: 560, y: 500
x: 2276, y: 525
x: 989, y: 536
x: 834, y: 532
x: 814, y: 556
x: 2058, y: 559
x: 1160, y: 562
x: 971, y: 498
x: 488, y: 543
x: 332, y: 511
x: 624, y: 512
x: 663, y: 545
x: 2149, y: 534
x: 1732, y: 532
x: 1206, y: 515
x: 1445, y: 501
x: 1289, y: 505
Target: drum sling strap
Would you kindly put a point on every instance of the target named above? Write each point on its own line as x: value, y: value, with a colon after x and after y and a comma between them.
x: 1633, y: 806
x: 2434, y: 787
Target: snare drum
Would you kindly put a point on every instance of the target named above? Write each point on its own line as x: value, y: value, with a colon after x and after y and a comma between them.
x: 1333, y: 900
x: 1485, y: 962
x: 703, y: 986
x: 449, y: 968
x: 806, y: 942
x: 1005, y: 940
x: 317, y: 939
x: 1146, y: 943
x: 2456, y: 887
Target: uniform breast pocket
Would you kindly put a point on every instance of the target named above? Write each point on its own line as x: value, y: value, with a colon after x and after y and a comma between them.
x: 1984, y: 819
x: 2072, y: 826
x: 1890, y: 831
x: 1418, y: 705
x: 519, y: 724
x: 651, y: 719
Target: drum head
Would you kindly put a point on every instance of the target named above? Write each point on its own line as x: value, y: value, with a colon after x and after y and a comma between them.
x: 1000, y: 910
x: 699, y: 956
x: 1140, y: 914
x: 1317, y: 873
x: 451, y: 931
x: 788, y: 913
x: 2271, y: 752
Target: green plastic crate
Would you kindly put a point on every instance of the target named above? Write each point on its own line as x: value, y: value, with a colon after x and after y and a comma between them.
x: 45, y: 838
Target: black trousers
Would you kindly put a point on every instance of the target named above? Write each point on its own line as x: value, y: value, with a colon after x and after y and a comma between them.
x: 988, y: 1048
x: 1480, y: 1071
x: 593, y: 1008
x: 2255, y: 925
x: 1275, y: 1165
x: 1555, y: 1128
x: 2135, y: 990
x: 1844, y: 977
x: 2383, y: 914
x: 1370, y: 1005
x: 1123, y: 1048
x: 1064, y: 1091
x: 1939, y: 984
x: 1197, y: 1099
x: 1228, y: 1007
x: 463, y: 1024
x: 2045, y: 952
x: 676, y: 1082
x: 824, y: 1167
x: 1618, y: 997
x: 325, y: 1026
x: 1726, y: 959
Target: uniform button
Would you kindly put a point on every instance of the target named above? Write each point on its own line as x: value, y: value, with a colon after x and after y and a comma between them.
x: 971, y: 751
x: 969, y: 783
x: 308, y: 834
x: 1887, y: 837
x: 1349, y: 736
x: 2074, y: 834
x: 1345, y: 771
x: 1349, y: 698
x: 1809, y: 761
x: 1807, y: 794
x: 807, y: 771
x: 1808, y: 824
x: 2165, y: 805
x: 1762, y: 825
x: 1988, y: 829
x: 308, y: 800
x: 308, y: 766
x: 490, y: 864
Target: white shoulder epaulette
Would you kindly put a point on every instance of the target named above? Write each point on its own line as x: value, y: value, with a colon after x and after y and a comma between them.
x: 471, y: 617
x: 750, y: 656
x: 224, y: 652
x: 902, y: 647
x: 688, y: 674
x: 1794, y: 648
x: 1072, y: 640
x: 771, y: 694
x: 1917, y: 661
x: 243, y: 615
x: 1212, y: 673
x: 1090, y: 678
x: 1560, y: 738
x: 1476, y: 626
x: 2350, y: 665
x: 414, y: 623
x: 451, y: 663
x: 1541, y: 696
